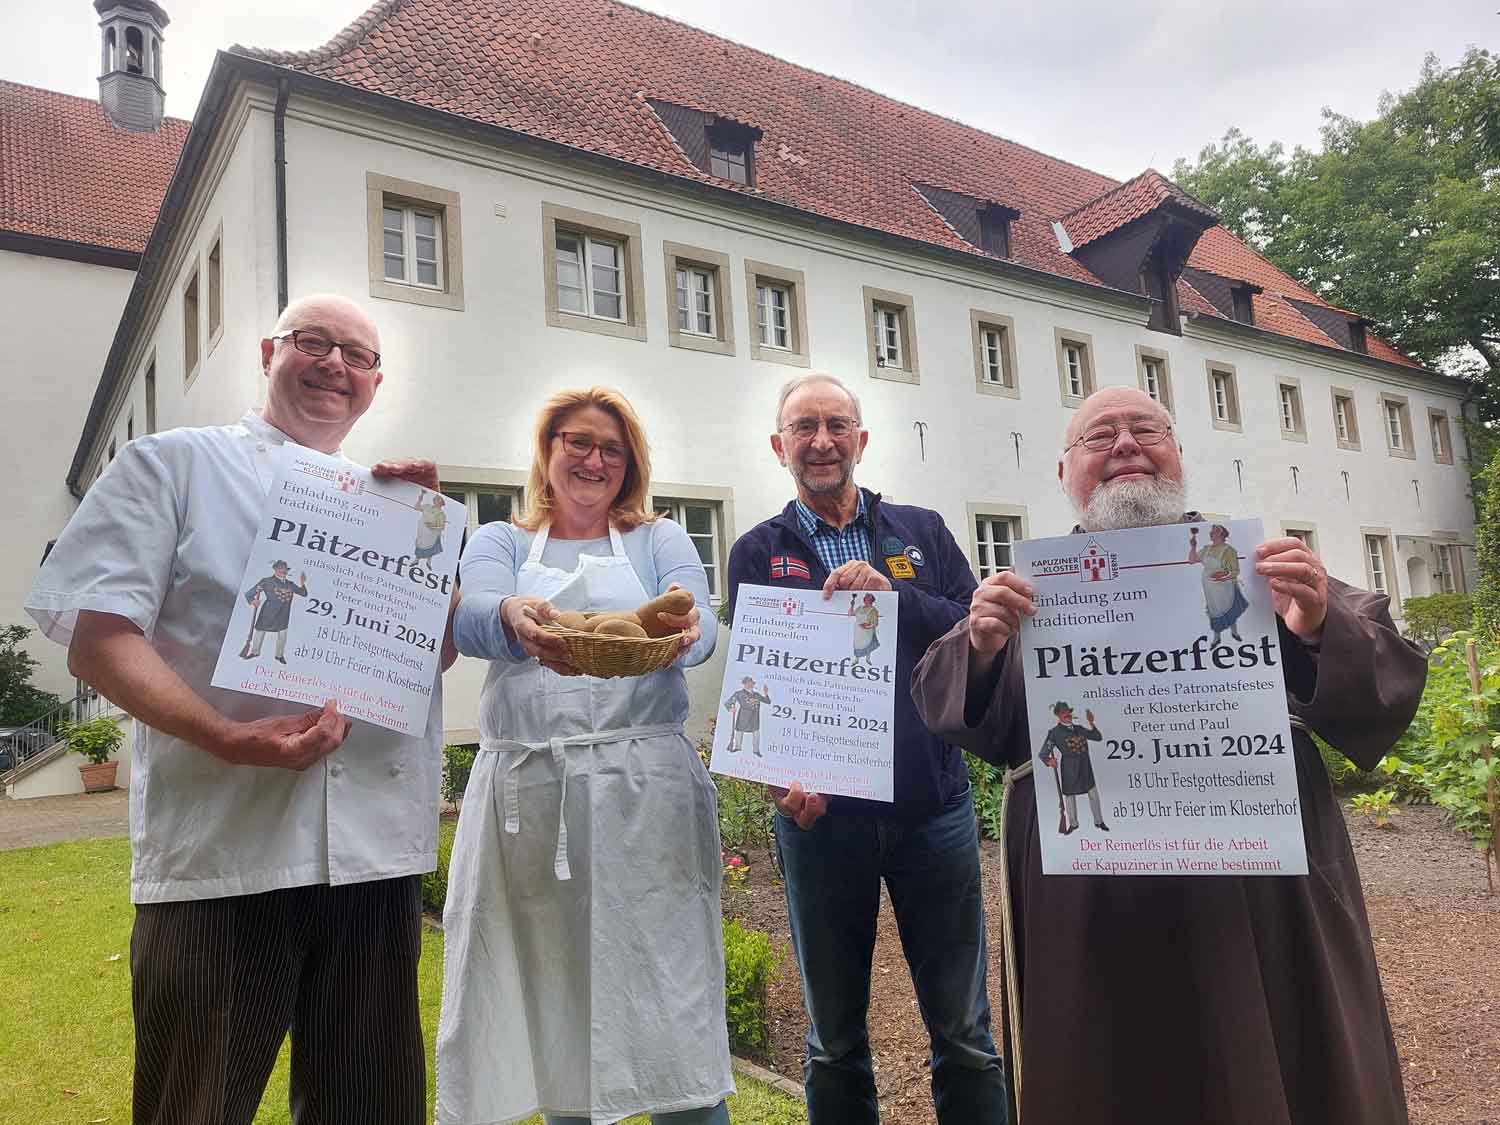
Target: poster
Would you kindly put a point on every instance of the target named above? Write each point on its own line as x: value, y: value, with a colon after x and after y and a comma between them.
x: 345, y: 594
x: 1157, y: 705
x: 809, y: 691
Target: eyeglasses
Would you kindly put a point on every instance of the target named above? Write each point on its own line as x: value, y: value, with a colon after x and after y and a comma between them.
x: 804, y: 429
x: 314, y: 343
x: 1101, y: 438
x: 579, y: 446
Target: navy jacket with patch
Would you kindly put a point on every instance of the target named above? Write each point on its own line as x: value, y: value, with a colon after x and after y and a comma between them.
x: 929, y: 773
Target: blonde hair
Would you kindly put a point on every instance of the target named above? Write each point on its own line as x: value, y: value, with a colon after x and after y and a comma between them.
x: 629, y: 509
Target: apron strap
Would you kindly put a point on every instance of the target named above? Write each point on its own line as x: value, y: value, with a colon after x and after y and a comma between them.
x: 518, y: 752
x: 538, y: 544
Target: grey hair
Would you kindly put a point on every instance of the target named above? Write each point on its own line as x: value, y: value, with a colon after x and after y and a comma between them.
x: 797, y: 382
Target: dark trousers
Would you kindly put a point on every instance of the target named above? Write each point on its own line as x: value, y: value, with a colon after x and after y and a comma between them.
x: 832, y: 879
x: 217, y: 983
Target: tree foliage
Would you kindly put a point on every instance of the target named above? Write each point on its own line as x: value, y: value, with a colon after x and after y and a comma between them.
x: 1397, y: 218
x: 1487, y: 546
x: 20, y: 699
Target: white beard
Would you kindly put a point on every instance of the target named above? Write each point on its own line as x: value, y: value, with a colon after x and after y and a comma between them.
x: 1132, y: 503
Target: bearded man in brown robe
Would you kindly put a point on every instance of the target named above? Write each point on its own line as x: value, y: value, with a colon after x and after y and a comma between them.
x: 1184, y: 1000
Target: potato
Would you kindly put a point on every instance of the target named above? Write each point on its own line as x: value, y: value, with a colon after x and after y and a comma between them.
x: 570, y: 619
x: 673, y: 601
x: 619, y: 627
x: 597, y: 619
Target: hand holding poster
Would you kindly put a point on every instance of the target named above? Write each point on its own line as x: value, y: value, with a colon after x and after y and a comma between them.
x: 809, y: 691
x: 1163, y: 641
x: 363, y: 622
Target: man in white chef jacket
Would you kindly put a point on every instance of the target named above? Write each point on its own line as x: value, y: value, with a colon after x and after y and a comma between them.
x: 277, y: 852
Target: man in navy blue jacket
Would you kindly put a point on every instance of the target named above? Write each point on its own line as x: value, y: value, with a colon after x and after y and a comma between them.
x: 835, y: 850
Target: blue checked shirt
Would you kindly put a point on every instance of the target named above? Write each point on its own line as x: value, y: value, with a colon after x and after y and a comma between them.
x: 836, y: 547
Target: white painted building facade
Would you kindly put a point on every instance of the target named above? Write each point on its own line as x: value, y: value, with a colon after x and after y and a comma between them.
x: 469, y: 360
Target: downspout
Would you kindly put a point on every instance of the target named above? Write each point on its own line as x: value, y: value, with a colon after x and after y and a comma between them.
x: 283, y: 91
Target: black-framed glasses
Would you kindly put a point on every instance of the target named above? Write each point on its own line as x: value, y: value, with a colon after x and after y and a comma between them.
x: 804, y: 429
x: 315, y: 343
x: 1103, y: 437
x: 578, y: 446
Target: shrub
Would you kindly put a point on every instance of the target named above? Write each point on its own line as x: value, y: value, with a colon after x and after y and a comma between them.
x: 435, y: 883
x: 749, y: 963
x: 1431, y: 620
x: 989, y: 792
x: 1487, y: 547
x: 746, y: 812
x: 20, y: 700
x: 1376, y: 805
x: 458, y: 762
x: 1441, y: 755
x: 96, y: 739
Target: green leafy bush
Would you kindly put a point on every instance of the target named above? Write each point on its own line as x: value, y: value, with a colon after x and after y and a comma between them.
x: 1431, y: 620
x: 20, y: 700
x: 97, y: 739
x: 435, y: 883
x: 1487, y: 547
x: 458, y: 762
x: 988, y: 783
x: 1376, y: 805
x: 749, y: 963
x: 1441, y: 755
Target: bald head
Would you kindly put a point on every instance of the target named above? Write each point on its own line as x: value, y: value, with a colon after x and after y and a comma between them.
x: 318, y: 310
x: 1133, y: 481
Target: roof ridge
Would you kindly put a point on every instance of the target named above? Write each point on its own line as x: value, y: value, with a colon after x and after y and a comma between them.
x: 344, y: 39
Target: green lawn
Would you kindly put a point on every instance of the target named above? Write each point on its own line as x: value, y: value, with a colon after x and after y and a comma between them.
x: 65, y: 1031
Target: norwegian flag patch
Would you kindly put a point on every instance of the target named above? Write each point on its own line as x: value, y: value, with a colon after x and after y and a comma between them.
x: 789, y: 566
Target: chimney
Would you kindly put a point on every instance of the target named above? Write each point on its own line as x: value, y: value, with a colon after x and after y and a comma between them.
x: 130, y: 89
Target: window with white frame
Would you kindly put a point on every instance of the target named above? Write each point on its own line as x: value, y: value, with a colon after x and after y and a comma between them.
x: 1289, y: 405
x: 1395, y: 428
x: 995, y: 538
x: 1377, y: 569
x: 1442, y: 442
x: 994, y: 343
x: 1075, y: 365
x: 590, y: 275
x: 416, y: 244
x: 1304, y: 535
x: 1396, y: 416
x: 1223, y: 397
x: 1444, y: 569
x: 702, y: 520
x: 776, y: 300
x: 773, y: 316
x: 1153, y: 374
x: 695, y: 300
x: 888, y: 336
x: 485, y: 503
x: 412, y: 245
x: 1345, y: 420
x: 889, y: 321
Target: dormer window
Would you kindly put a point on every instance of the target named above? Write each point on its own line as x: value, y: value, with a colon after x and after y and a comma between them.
x: 729, y: 152
x: 1357, y: 341
x: 994, y: 230
x: 1244, y: 303
x: 720, y: 146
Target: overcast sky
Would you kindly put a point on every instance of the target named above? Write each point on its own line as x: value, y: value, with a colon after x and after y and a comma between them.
x: 1115, y: 85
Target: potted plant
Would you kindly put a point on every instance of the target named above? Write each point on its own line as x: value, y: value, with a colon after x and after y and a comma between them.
x: 96, y: 739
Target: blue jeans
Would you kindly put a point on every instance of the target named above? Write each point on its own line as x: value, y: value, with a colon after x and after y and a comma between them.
x: 713, y: 1115
x: 832, y: 874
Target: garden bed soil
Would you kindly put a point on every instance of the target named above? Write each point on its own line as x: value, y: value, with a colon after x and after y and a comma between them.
x: 1437, y: 939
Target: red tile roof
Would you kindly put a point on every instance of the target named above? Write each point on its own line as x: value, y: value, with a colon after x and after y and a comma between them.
x: 1107, y: 213
x: 67, y: 173
x: 579, y: 72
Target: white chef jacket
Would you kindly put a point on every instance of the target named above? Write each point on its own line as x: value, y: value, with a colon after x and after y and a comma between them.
x: 161, y: 539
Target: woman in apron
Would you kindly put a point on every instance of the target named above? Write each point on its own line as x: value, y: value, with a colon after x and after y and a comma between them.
x: 583, y: 964
x: 1223, y: 600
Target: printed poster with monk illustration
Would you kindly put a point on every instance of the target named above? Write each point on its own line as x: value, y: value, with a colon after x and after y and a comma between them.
x: 345, y: 594
x: 1161, y: 743
x: 809, y: 691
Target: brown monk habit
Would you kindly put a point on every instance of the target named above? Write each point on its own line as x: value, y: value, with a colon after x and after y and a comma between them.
x: 1223, y: 1000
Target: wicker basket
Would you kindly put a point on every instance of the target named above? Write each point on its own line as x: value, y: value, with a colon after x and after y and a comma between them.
x: 606, y: 656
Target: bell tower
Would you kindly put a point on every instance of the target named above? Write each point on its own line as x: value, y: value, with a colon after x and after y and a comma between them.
x: 130, y: 89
